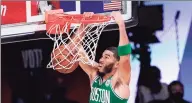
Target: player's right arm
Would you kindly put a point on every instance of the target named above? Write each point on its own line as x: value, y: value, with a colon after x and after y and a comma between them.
x: 90, y: 70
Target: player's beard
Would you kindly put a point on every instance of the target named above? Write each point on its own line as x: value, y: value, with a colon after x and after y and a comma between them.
x: 106, y: 69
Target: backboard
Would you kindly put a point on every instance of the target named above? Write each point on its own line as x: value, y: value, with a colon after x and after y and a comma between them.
x: 22, y: 23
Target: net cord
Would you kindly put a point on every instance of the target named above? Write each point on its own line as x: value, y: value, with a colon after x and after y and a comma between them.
x: 89, y: 42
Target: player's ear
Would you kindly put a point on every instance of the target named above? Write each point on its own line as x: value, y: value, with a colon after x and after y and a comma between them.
x: 116, y: 64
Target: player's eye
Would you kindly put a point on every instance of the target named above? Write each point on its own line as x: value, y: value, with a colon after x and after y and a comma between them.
x: 106, y: 57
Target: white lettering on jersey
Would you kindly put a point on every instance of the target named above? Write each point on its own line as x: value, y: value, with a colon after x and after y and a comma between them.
x: 100, y: 95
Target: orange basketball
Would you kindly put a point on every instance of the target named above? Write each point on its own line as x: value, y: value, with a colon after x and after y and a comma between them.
x: 58, y: 61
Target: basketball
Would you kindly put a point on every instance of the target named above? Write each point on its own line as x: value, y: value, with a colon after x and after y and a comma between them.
x: 63, y: 60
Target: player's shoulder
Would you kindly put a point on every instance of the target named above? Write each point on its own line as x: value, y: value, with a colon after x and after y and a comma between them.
x: 93, y: 77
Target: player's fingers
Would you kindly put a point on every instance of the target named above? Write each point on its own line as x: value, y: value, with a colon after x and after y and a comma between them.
x: 91, y: 14
x: 115, y: 13
x: 88, y: 14
x: 85, y: 14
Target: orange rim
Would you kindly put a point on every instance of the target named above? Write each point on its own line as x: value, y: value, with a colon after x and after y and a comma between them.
x: 57, y: 17
x: 78, y: 18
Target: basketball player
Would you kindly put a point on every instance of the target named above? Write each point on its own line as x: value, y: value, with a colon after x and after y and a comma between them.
x: 109, y: 79
x: 111, y: 76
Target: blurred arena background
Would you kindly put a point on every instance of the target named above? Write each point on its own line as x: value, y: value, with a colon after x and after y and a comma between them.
x: 163, y: 38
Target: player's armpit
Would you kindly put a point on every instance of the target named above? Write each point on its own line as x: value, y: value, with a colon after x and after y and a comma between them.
x: 123, y: 73
x: 124, y: 70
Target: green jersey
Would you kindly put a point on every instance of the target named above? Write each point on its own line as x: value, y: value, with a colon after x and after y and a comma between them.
x: 103, y: 92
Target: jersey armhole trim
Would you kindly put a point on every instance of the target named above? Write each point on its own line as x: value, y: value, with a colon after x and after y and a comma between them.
x: 94, y: 80
x: 115, y: 93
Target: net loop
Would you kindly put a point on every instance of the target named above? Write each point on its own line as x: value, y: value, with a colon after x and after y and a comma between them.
x: 63, y: 31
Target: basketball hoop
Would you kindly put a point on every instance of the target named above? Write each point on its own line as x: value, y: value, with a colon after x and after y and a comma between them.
x: 61, y: 28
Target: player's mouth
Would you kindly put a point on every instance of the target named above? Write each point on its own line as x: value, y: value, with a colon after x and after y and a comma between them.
x: 100, y: 65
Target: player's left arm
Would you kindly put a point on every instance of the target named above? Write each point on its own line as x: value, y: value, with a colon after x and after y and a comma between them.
x: 124, y: 49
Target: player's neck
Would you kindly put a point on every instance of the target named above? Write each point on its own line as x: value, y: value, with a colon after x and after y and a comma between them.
x: 108, y: 75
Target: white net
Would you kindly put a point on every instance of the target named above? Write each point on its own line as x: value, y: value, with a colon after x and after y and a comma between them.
x: 68, y: 45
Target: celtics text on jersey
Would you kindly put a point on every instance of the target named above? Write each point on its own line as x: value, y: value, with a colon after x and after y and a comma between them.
x: 103, y: 92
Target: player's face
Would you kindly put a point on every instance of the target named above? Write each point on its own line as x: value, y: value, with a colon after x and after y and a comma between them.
x: 106, y: 62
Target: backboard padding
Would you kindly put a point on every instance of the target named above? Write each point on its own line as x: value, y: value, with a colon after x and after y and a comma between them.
x: 35, y: 19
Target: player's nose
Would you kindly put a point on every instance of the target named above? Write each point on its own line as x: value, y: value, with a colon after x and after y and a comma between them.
x: 101, y: 60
